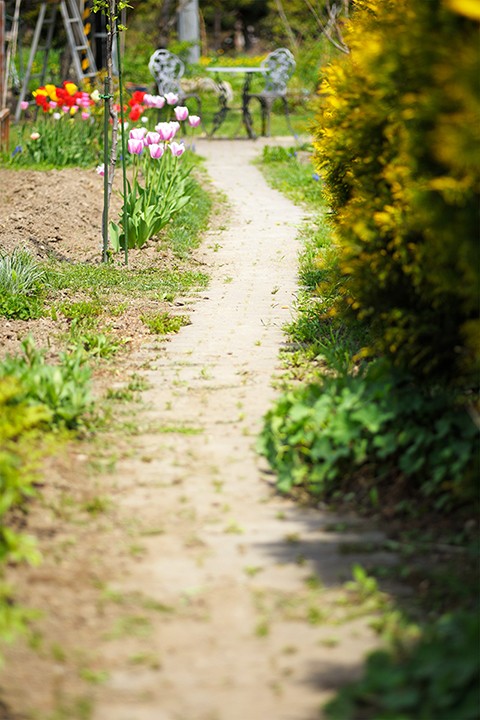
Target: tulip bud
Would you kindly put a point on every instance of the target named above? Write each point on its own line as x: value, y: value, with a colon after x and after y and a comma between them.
x: 156, y: 151
x: 181, y: 113
x: 177, y: 149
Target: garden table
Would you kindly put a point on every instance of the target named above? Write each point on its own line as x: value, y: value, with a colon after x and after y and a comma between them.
x: 225, y: 108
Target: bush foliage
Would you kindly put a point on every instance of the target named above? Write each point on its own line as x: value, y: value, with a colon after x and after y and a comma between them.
x: 398, y: 146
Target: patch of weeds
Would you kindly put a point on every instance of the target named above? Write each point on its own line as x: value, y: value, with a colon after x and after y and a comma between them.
x: 147, y: 659
x: 163, y: 323
x: 313, y: 582
x: 80, y: 708
x: 119, y: 394
x: 95, y: 677
x: 292, y: 538
x: 138, y: 626
x: 136, y: 550
x: 180, y: 429
x: 315, y: 616
x: 82, y: 310
x: 96, y: 505
x: 58, y: 653
x: 329, y: 642
x: 150, y: 532
x: 102, y: 465
x: 262, y: 629
x: 234, y: 528
x: 101, y: 345
x: 252, y: 570
x: 138, y: 383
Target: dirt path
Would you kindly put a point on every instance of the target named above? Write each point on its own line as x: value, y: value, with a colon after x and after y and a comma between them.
x: 245, y: 583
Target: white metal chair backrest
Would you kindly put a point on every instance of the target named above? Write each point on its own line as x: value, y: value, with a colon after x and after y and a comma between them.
x: 278, y: 68
x: 167, y: 69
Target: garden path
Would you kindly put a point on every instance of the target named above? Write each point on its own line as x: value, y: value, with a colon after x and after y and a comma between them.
x: 242, y: 631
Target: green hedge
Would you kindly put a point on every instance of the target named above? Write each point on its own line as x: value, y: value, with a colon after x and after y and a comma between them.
x: 397, y: 144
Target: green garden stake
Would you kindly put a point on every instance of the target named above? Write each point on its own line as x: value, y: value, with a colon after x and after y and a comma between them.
x: 106, y: 98
x: 124, y: 149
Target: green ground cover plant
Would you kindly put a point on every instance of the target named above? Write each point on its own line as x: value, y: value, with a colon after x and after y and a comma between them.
x: 370, y: 427
x: 63, y: 388
x: 434, y: 678
x: 36, y: 398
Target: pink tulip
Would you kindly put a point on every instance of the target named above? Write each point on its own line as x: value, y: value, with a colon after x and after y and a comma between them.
x: 156, y: 151
x: 52, y: 104
x: 34, y: 136
x: 154, y: 101
x: 24, y: 104
x: 171, y: 98
x: 166, y: 131
x: 194, y: 121
x: 135, y: 146
x: 152, y: 138
x: 85, y: 115
x: 100, y: 169
x: 177, y: 149
x: 181, y: 113
x: 137, y: 133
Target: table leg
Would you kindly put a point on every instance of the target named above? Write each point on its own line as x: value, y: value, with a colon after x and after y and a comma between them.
x: 247, y: 118
x: 222, y: 112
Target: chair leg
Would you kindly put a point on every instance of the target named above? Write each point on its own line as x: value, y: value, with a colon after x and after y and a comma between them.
x: 287, y: 115
x: 267, y: 109
x: 247, y: 116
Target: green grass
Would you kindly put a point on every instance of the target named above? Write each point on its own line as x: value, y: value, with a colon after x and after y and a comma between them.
x: 155, y: 282
x: 183, y: 233
x: 290, y: 170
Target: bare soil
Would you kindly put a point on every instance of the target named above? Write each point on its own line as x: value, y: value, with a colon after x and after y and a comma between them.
x: 175, y: 583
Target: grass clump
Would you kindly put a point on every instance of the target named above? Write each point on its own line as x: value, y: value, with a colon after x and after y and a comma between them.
x: 21, y: 285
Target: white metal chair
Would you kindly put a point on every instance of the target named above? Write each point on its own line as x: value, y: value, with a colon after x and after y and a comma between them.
x: 167, y: 70
x: 278, y: 68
